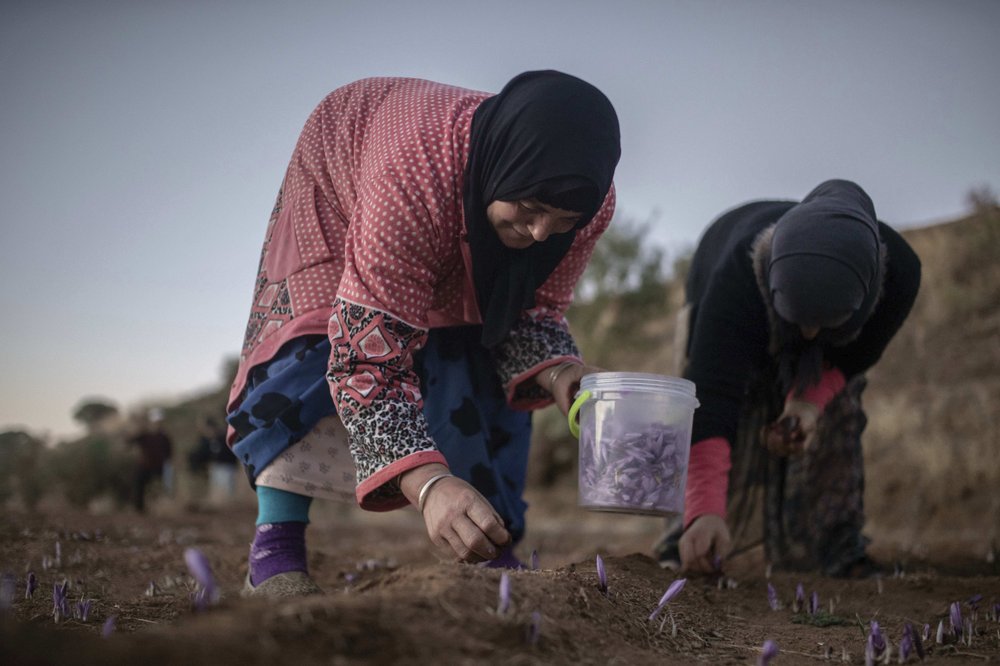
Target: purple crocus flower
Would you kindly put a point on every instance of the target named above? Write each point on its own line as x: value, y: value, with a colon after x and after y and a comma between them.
x: 876, y: 640
x: 973, y: 601
x: 31, y: 585
x: 906, y: 643
x: 534, y: 628
x: 503, y: 602
x: 672, y: 591
x: 772, y: 597
x: 109, y: 626
x: 200, y: 570
x: 534, y: 560
x: 83, y: 609
x: 800, y: 598
x: 939, y: 637
x: 814, y: 603
x: 955, y: 616
x: 60, y: 606
x: 767, y: 653
x: 602, y: 576
x: 927, y: 632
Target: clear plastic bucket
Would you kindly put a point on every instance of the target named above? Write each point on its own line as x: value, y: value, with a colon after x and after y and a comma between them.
x: 635, y: 441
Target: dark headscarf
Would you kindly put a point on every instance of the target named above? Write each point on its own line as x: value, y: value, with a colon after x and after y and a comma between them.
x: 826, y: 262
x: 549, y: 136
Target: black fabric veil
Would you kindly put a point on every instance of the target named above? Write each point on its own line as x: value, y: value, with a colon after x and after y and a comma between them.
x: 546, y: 135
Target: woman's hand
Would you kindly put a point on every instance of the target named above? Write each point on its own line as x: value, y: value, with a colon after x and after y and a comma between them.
x: 704, y: 544
x: 795, y: 429
x: 460, y: 522
x: 567, y: 381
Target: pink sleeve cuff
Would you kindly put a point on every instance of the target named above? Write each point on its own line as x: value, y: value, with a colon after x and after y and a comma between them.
x: 707, y: 479
x: 370, y: 500
x: 528, y: 404
x: 831, y: 382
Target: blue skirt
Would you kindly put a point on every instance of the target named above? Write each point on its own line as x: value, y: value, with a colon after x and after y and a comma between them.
x: 485, y: 442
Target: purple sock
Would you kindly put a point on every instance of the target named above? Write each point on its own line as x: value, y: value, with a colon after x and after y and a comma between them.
x: 277, y: 548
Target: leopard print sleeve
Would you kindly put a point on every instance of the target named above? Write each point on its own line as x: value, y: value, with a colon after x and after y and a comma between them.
x: 376, y: 393
x: 538, y: 340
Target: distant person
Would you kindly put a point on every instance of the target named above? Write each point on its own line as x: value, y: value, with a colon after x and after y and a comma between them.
x: 212, y: 462
x: 417, y: 267
x: 154, y: 462
x: 788, y: 304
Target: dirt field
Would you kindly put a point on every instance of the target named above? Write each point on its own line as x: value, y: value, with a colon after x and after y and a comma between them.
x: 388, y: 599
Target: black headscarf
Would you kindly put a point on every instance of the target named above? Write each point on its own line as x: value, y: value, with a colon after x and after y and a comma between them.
x: 826, y: 262
x: 548, y: 136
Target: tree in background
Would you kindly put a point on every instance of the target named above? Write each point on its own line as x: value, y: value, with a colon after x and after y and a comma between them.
x: 92, y: 413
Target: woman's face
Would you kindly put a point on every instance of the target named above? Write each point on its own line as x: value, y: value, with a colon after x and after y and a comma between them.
x: 521, y: 223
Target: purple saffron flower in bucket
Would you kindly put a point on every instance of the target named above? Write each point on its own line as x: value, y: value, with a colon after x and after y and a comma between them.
x: 200, y: 570
x: 108, y: 627
x: 772, y: 597
x: 768, y: 652
x: 672, y: 591
x: 31, y: 585
x: 955, y: 616
x: 503, y: 601
x: 602, y: 576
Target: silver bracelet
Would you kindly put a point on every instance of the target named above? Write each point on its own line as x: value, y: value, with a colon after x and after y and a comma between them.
x: 422, y: 496
x: 555, y: 371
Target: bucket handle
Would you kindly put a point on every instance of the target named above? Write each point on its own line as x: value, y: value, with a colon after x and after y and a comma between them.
x: 574, y: 411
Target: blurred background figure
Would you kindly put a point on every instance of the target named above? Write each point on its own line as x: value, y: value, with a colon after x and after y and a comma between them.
x: 154, y: 462
x: 212, y: 463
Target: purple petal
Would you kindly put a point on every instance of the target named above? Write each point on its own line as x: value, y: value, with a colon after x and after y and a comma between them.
x: 927, y: 632
x: 200, y: 570
x: 83, y: 609
x: 814, y: 603
x: 672, y: 591
x: 876, y: 639
x: 772, y: 597
x: 768, y: 652
x: 503, y: 603
x: 955, y: 616
x: 109, y: 626
x: 535, y: 628
x: 974, y: 600
x: 602, y: 576
x: 905, y: 647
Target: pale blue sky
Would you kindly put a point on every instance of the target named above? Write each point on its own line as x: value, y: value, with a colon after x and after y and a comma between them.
x: 142, y: 143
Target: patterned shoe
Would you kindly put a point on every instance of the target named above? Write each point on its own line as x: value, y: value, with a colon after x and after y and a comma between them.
x: 283, y: 585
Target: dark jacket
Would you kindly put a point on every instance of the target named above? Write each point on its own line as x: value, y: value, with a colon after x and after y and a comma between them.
x: 731, y: 320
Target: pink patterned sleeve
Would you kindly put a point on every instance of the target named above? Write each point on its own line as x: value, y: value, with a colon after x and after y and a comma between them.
x: 378, y: 323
